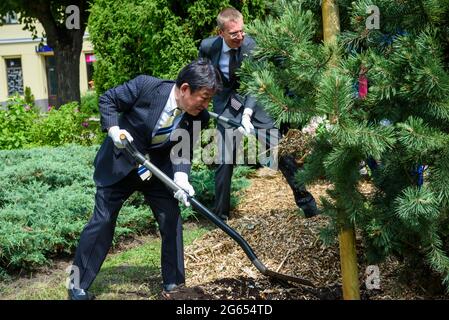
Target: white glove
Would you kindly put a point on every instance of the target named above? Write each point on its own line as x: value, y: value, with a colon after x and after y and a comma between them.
x: 182, y: 180
x: 115, y: 132
x: 247, y: 126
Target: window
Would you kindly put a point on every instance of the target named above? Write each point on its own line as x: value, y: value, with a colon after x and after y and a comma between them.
x: 14, y: 76
x: 10, y: 18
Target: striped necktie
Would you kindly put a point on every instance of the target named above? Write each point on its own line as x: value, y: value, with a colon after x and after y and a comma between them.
x: 163, y: 133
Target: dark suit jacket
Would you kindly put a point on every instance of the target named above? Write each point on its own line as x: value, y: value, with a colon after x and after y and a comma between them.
x: 211, y: 48
x: 136, y: 107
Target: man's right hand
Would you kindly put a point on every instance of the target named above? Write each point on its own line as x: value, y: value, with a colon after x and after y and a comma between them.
x: 115, y: 132
x: 182, y: 180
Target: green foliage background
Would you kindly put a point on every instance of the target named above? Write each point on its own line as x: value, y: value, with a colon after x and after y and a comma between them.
x: 23, y: 126
x: 47, y: 196
x: 154, y: 37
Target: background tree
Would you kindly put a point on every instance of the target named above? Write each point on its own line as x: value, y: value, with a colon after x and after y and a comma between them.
x: 399, y: 125
x: 66, y: 43
x: 155, y: 37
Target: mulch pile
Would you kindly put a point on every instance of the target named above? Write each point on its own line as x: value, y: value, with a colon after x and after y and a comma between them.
x: 286, y: 242
x: 295, y: 143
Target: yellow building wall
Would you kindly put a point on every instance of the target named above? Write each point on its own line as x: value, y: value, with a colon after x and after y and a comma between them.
x: 33, y: 69
x: 15, y: 31
x: 18, y: 43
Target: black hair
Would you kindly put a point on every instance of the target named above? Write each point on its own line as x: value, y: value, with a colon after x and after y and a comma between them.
x: 200, y: 74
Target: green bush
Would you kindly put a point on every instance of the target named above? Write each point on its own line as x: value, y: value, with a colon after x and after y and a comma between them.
x: 22, y: 126
x: 64, y: 125
x: 45, y: 199
x: 15, y: 123
x: 155, y: 37
x: 29, y: 96
x: 47, y: 196
x: 89, y: 103
x: 203, y: 181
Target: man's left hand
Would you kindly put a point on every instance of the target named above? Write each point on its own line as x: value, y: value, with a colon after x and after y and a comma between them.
x: 247, y: 126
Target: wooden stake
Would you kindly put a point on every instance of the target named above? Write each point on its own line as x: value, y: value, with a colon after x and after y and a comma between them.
x: 348, y: 264
x: 348, y: 254
x: 331, y: 20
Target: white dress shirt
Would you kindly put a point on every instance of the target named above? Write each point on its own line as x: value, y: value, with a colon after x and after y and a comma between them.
x: 170, y: 106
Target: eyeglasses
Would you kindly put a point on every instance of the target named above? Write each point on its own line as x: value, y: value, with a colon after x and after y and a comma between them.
x: 235, y: 34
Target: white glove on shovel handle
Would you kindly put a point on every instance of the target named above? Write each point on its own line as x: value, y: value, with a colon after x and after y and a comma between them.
x: 182, y: 180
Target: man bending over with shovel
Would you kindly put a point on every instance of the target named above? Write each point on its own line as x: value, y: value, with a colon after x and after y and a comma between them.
x: 145, y: 110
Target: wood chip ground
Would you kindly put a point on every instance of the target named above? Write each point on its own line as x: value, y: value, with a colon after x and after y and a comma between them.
x: 285, y: 241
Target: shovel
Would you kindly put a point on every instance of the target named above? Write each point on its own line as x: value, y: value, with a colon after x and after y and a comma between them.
x: 231, y: 122
x: 211, y: 217
x: 254, y: 132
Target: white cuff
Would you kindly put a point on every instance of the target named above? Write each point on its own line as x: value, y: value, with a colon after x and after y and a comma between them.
x: 112, y: 130
x: 181, y: 176
x: 248, y: 111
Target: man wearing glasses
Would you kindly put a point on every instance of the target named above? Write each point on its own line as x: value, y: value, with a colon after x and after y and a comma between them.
x: 226, y: 51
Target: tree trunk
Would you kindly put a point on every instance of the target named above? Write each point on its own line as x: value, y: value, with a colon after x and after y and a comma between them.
x: 67, y: 45
x: 67, y: 59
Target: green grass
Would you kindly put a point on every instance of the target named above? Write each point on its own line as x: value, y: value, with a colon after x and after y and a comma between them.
x: 47, y: 195
x: 131, y: 274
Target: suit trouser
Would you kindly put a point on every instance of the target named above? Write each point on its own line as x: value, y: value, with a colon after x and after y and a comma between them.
x: 224, y: 171
x: 96, y: 238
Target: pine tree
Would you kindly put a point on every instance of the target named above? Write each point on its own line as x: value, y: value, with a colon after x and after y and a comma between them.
x: 400, y: 126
